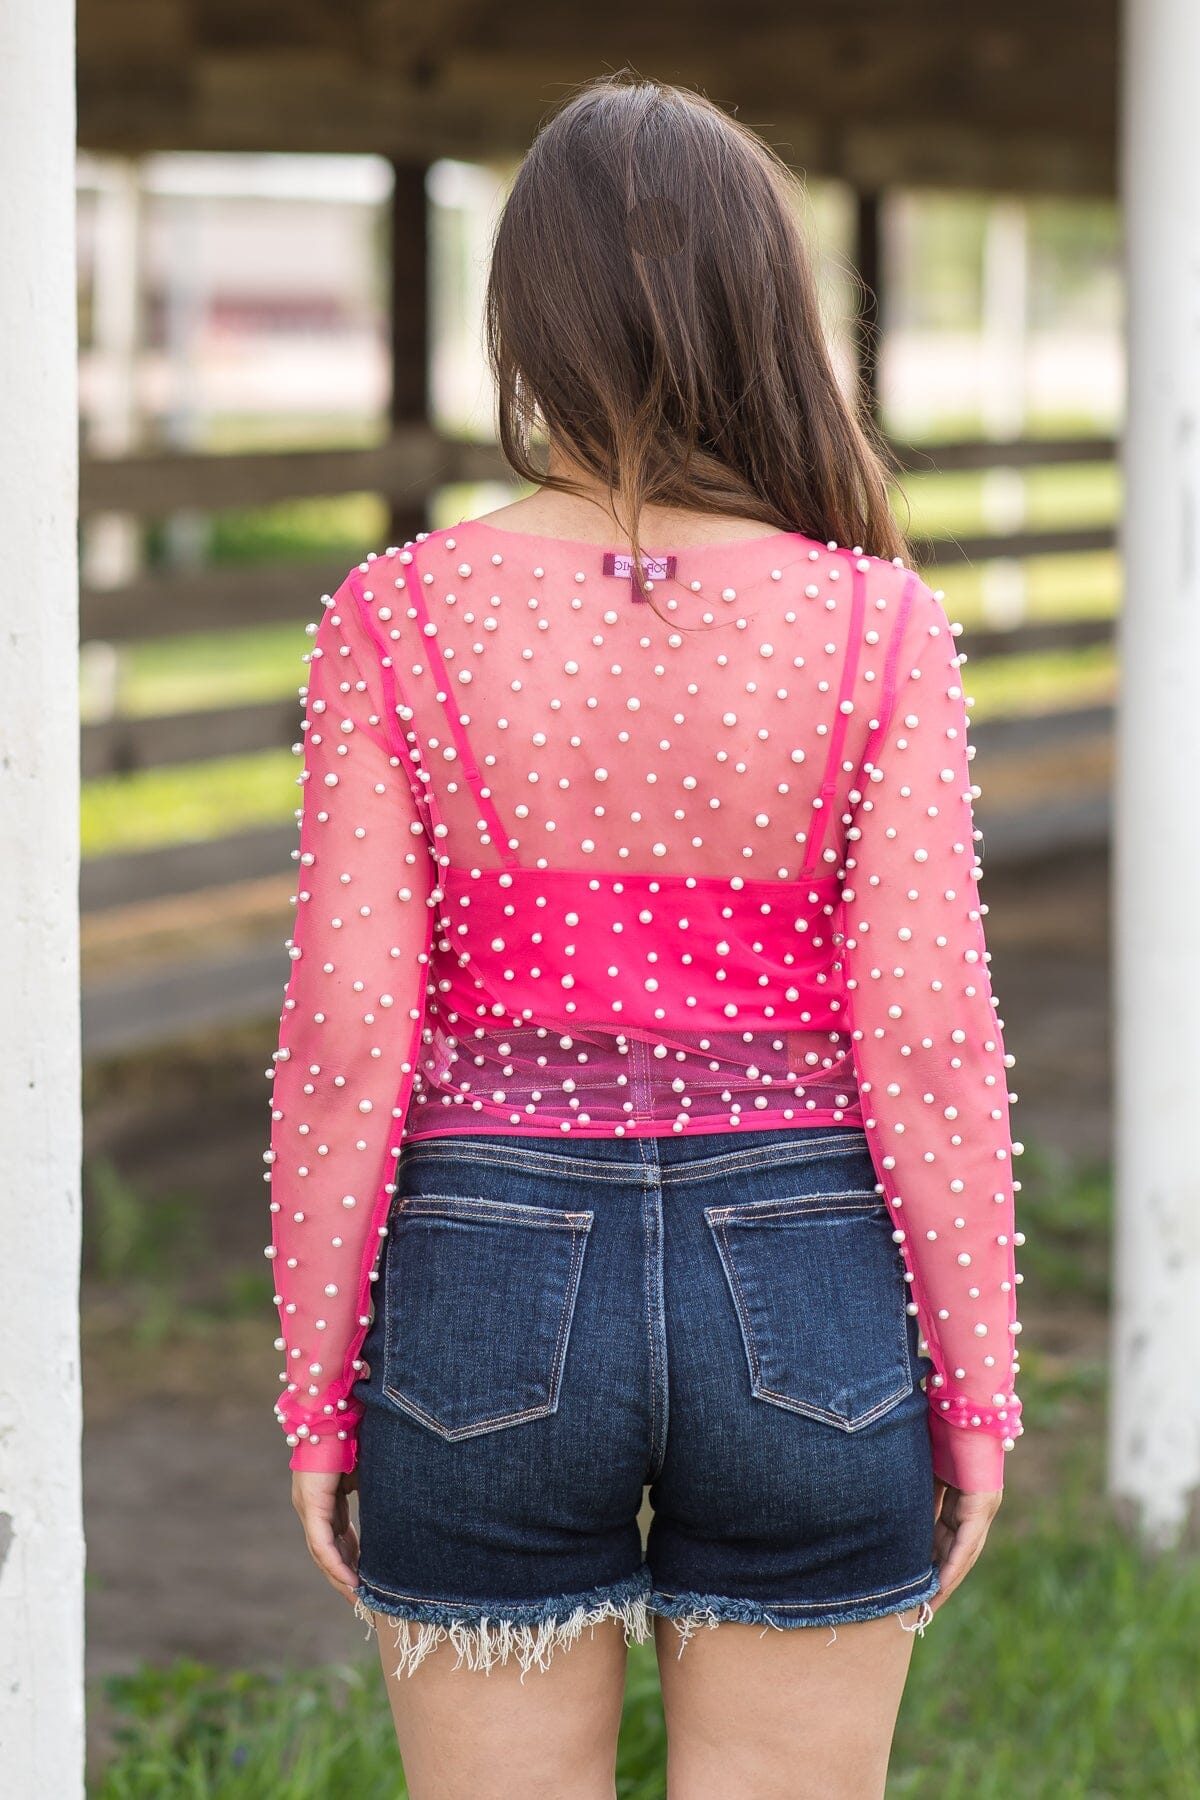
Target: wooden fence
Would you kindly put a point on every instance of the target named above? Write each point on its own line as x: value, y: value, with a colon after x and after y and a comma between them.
x: 161, y: 999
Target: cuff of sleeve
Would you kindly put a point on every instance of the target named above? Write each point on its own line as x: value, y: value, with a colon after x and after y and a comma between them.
x: 965, y: 1457
x: 331, y: 1456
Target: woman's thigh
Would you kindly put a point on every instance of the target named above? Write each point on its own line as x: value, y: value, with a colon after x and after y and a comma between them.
x: 769, y: 1714
x: 485, y: 1734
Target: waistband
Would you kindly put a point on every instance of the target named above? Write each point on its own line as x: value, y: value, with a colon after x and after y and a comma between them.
x: 675, y: 1158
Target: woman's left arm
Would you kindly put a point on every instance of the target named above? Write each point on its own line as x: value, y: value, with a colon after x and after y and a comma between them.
x: 351, y: 1025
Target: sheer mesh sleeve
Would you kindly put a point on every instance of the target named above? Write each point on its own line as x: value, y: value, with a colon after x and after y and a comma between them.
x: 929, y: 1052
x: 351, y: 1025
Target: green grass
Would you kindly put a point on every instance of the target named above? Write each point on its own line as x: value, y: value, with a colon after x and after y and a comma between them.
x: 1063, y: 1669
x: 207, y: 669
x: 191, y: 1730
x: 151, y: 1251
x: 180, y: 805
x: 171, y: 806
x: 1056, y: 495
x: 1065, y: 1212
x: 1057, y: 680
x: 216, y: 669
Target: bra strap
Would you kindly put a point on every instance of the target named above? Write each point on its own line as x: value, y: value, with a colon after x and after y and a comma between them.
x: 470, y: 767
x: 829, y: 784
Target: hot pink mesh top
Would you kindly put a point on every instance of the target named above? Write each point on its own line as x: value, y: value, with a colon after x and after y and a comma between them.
x: 567, y: 866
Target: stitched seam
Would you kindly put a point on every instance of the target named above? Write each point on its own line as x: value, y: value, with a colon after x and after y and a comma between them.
x: 570, y: 1294
x: 807, y: 1605
x: 586, y: 1168
x: 741, y: 1303
x: 492, y: 1608
x: 496, y: 1420
x: 502, y: 1211
x: 887, y: 710
x: 787, y: 1209
x: 812, y: 1408
x: 411, y: 756
x: 492, y: 1422
x: 651, y: 1347
x: 736, y: 1161
x: 546, y: 1163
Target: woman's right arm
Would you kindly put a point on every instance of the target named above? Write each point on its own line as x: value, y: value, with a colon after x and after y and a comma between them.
x: 352, y: 1021
x: 928, y: 1048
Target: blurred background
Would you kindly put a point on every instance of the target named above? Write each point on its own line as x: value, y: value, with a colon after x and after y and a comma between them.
x: 283, y: 223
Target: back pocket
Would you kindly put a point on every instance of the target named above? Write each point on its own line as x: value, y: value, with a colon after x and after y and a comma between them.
x: 818, y: 1285
x: 479, y: 1299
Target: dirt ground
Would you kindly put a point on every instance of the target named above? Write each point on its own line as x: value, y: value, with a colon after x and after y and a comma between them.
x: 193, y: 1549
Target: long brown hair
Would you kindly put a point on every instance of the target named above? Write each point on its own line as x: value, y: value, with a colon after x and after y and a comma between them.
x: 651, y: 307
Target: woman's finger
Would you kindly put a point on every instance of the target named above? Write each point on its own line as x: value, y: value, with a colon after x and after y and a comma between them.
x: 332, y: 1540
x: 326, y: 1552
x: 959, y: 1537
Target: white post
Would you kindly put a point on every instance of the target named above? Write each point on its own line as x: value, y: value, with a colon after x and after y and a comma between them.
x: 111, y: 542
x: 1154, y: 1447
x: 41, y: 1532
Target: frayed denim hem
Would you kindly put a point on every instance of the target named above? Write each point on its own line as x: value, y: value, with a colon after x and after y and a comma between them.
x: 530, y: 1632
x: 687, y: 1612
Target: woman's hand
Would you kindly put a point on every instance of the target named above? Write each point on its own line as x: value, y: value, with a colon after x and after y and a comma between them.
x: 960, y: 1531
x: 322, y: 1501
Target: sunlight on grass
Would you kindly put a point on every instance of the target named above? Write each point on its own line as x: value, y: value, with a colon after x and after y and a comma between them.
x: 1063, y: 1669
x: 1011, y: 685
x: 215, y: 669
x: 229, y: 668
x: 183, y: 804
x: 169, y: 806
x: 1087, y: 586
x: 1064, y: 494
x: 263, y: 663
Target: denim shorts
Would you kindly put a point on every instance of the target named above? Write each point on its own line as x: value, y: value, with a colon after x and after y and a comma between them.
x: 560, y: 1323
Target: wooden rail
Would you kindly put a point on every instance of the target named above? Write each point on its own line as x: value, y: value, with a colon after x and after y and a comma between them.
x: 148, y: 1005
x: 113, y: 881
x: 124, y: 745
x: 411, y: 462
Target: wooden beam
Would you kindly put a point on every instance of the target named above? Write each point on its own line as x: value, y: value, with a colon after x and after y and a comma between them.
x: 178, y: 603
x: 135, y: 875
x: 161, y: 1005
x: 414, y: 458
x: 1049, y: 829
x: 126, y: 746
x: 1022, y: 734
x: 173, y: 603
x: 983, y: 643
x: 409, y: 399
x: 1025, y: 100
x: 409, y: 462
x: 974, y: 547
x: 940, y: 456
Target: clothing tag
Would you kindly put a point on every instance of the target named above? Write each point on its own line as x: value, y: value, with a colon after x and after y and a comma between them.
x: 655, y: 568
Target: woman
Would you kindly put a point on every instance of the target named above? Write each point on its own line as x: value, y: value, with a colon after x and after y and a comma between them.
x: 639, y: 1058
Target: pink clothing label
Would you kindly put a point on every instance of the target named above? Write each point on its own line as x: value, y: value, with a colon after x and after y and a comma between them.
x: 655, y: 568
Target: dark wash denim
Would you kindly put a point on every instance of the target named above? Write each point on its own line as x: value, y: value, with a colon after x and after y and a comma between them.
x: 560, y: 1321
